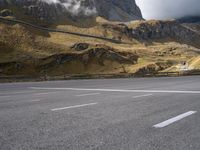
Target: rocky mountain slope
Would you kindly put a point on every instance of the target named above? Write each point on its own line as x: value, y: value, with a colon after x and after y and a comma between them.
x: 74, y: 10
x: 189, y: 19
x: 142, y: 47
x: 63, y: 47
x: 152, y: 30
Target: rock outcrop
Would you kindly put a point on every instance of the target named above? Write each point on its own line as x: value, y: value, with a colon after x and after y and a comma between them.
x: 118, y: 10
x: 157, y: 30
x: 98, y: 56
x: 6, y: 12
x: 98, y: 52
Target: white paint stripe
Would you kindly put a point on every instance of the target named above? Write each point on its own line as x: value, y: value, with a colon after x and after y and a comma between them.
x: 118, y: 90
x: 172, y: 120
x: 45, y: 93
x: 11, y: 93
x: 23, y: 101
x: 4, y: 96
x: 142, y: 96
x: 76, y: 106
x: 89, y: 94
x: 35, y: 100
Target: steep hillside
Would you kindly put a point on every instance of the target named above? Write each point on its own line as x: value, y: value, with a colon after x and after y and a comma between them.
x: 142, y: 47
x: 170, y: 30
x: 194, y: 63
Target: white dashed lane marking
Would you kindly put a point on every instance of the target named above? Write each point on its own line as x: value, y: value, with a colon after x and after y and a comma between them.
x: 175, y: 119
x: 142, y: 96
x: 88, y: 94
x: 75, y: 106
x: 35, y: 100
x: 46, y: 93
x: 4, y: 96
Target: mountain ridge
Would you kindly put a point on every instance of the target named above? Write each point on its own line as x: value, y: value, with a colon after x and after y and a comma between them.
x: 33, y: 46
x: 59, y: 10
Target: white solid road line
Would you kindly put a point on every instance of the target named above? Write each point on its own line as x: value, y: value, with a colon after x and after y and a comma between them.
x: 142, y: 96
x: 89, y: 94
x: 76, y: 106
x: 172, y: 120
x: 118, y: 90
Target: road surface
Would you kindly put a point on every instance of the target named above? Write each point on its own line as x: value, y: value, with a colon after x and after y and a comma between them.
x: 103, y: 114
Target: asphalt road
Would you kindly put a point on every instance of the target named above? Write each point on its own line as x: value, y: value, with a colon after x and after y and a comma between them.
x: 104, y: 114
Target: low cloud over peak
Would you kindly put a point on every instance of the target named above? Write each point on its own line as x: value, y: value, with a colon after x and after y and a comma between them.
x: 74, y: 6
x: 168, y: 9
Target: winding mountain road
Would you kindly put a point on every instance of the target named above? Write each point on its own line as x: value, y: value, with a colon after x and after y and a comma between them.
x: 3, y: 19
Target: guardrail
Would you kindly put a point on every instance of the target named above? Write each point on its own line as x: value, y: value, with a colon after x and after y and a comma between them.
x: 95, y: 76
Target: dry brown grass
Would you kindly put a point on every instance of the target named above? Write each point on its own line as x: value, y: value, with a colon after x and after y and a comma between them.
x: 28, y: 43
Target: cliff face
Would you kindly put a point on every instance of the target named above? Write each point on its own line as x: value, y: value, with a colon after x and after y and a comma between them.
x: 55, y: 10
x: 118, y: 10
x: 155, y: 30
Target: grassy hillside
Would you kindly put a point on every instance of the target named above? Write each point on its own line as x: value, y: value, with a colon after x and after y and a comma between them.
x: 28, y: 51
x: 194, y: 63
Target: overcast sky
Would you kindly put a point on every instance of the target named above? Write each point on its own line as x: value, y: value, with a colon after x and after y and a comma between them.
x: 167, y: 9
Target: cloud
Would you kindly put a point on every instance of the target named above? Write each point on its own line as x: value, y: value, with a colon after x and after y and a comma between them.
x: 51, y: 1
x: 75, y: 7
x: 168, y: 9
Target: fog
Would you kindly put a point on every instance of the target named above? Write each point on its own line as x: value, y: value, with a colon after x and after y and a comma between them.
x: 74, y: 6
x: 168, y: 9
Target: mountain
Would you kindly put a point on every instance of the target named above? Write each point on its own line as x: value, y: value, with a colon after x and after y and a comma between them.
x: 72, y: 10
x: 118, y: 10
x: 108, y: 47
x: 43, y: 37
x: 190, y: 22
x: 189, y: 19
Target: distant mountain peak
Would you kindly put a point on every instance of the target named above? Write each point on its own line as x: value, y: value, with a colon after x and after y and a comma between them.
x: 189, y: 19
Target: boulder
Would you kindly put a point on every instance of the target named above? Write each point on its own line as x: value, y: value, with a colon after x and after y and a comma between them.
x: 80, y: 46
